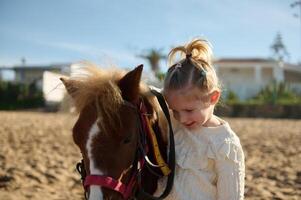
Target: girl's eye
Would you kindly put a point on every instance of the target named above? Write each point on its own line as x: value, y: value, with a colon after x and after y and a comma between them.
x: 189, y: 110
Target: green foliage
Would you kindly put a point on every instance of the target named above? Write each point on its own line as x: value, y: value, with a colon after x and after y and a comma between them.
x: 160, y: 75
x: 231, y: 98
x: 19, y: 96
x: 275, y: 101
x: 153, y: 56
x: 276, y: 94
x: 273, y: 94
x: 279, y: 49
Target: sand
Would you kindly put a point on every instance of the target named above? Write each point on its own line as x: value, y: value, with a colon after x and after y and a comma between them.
x: 38, y: 157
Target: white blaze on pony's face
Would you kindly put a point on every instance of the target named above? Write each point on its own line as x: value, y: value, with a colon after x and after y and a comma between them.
x: 106, y: 131
x: 95, y: 191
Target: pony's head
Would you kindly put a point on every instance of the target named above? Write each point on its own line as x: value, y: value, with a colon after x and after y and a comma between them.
x: 107, y: 129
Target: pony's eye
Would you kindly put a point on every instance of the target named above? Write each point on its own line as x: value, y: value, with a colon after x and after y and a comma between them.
x: 127, y: 140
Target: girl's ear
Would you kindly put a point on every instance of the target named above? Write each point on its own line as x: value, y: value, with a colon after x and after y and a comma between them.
x: 214, y: 97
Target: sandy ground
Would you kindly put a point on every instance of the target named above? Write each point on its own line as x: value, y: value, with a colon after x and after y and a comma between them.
x: 38, y: 157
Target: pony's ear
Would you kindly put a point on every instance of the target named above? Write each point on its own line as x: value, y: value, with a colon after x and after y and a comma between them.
x: 70, y: 85
x: 129, y: 84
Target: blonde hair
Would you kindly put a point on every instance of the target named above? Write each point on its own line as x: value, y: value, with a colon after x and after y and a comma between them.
x: 99, y: 86
x: 195, y: 68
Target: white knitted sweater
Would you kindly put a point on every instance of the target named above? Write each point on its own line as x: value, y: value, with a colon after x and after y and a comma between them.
x: 209, y: 165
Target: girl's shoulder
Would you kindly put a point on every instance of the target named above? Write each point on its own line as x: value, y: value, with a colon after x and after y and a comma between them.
x: 221, y: 133
x: 224, y: 143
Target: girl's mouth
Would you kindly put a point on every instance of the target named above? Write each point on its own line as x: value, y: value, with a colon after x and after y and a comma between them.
x: 188, y: 125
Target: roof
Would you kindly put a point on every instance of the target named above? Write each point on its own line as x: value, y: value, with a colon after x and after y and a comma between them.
x: 36, y: 67
x: 252, y: 62
x: 243, y: 60
x: 41, y: 67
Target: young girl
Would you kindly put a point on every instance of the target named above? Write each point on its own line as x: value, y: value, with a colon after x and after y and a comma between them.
x: 209, y: 157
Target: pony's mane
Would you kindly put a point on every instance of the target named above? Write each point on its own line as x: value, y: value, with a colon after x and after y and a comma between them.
x: 99, y: 86
x: 96, y: 84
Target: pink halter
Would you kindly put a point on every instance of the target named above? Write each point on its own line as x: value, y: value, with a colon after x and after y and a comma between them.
x: 109, y: 182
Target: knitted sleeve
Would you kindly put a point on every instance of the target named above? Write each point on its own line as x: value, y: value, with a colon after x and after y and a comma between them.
x: 230, y: 168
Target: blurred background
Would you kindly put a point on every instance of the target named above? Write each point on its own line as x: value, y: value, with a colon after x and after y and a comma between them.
x: 257, y: 55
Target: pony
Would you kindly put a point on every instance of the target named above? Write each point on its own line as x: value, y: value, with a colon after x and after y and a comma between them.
x: 115, y: 110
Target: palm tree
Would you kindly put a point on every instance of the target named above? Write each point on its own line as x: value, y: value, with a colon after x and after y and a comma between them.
x: 153, y: 56
x: 279, y: 49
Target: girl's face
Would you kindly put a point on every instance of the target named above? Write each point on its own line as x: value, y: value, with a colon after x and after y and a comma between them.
x: 188, y: 108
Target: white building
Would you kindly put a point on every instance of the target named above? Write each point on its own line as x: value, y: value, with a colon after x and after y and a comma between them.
x: 53, y: 89
x: 246, y: 77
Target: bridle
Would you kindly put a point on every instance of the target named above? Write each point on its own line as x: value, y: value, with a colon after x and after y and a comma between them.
x: 133, y: 188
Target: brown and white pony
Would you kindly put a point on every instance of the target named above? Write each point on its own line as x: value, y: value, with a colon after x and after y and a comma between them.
x: 108, y: 131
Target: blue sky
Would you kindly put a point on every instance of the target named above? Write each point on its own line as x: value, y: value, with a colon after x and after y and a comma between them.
x: 116, y: 31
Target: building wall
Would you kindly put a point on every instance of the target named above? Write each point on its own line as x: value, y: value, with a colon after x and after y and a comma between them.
x: 246, y: 78
x: 293, y: 79
x: 53, y: 89
x: 240, y: 80
x: 28, y: 76
x: 267, y: 76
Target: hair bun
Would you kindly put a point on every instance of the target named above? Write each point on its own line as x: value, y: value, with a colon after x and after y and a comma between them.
x: 189, y: 55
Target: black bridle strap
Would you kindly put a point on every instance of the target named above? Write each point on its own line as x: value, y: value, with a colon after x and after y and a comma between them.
x: 80, y: 167
x: 141, y: 194
x: 171, y: 158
